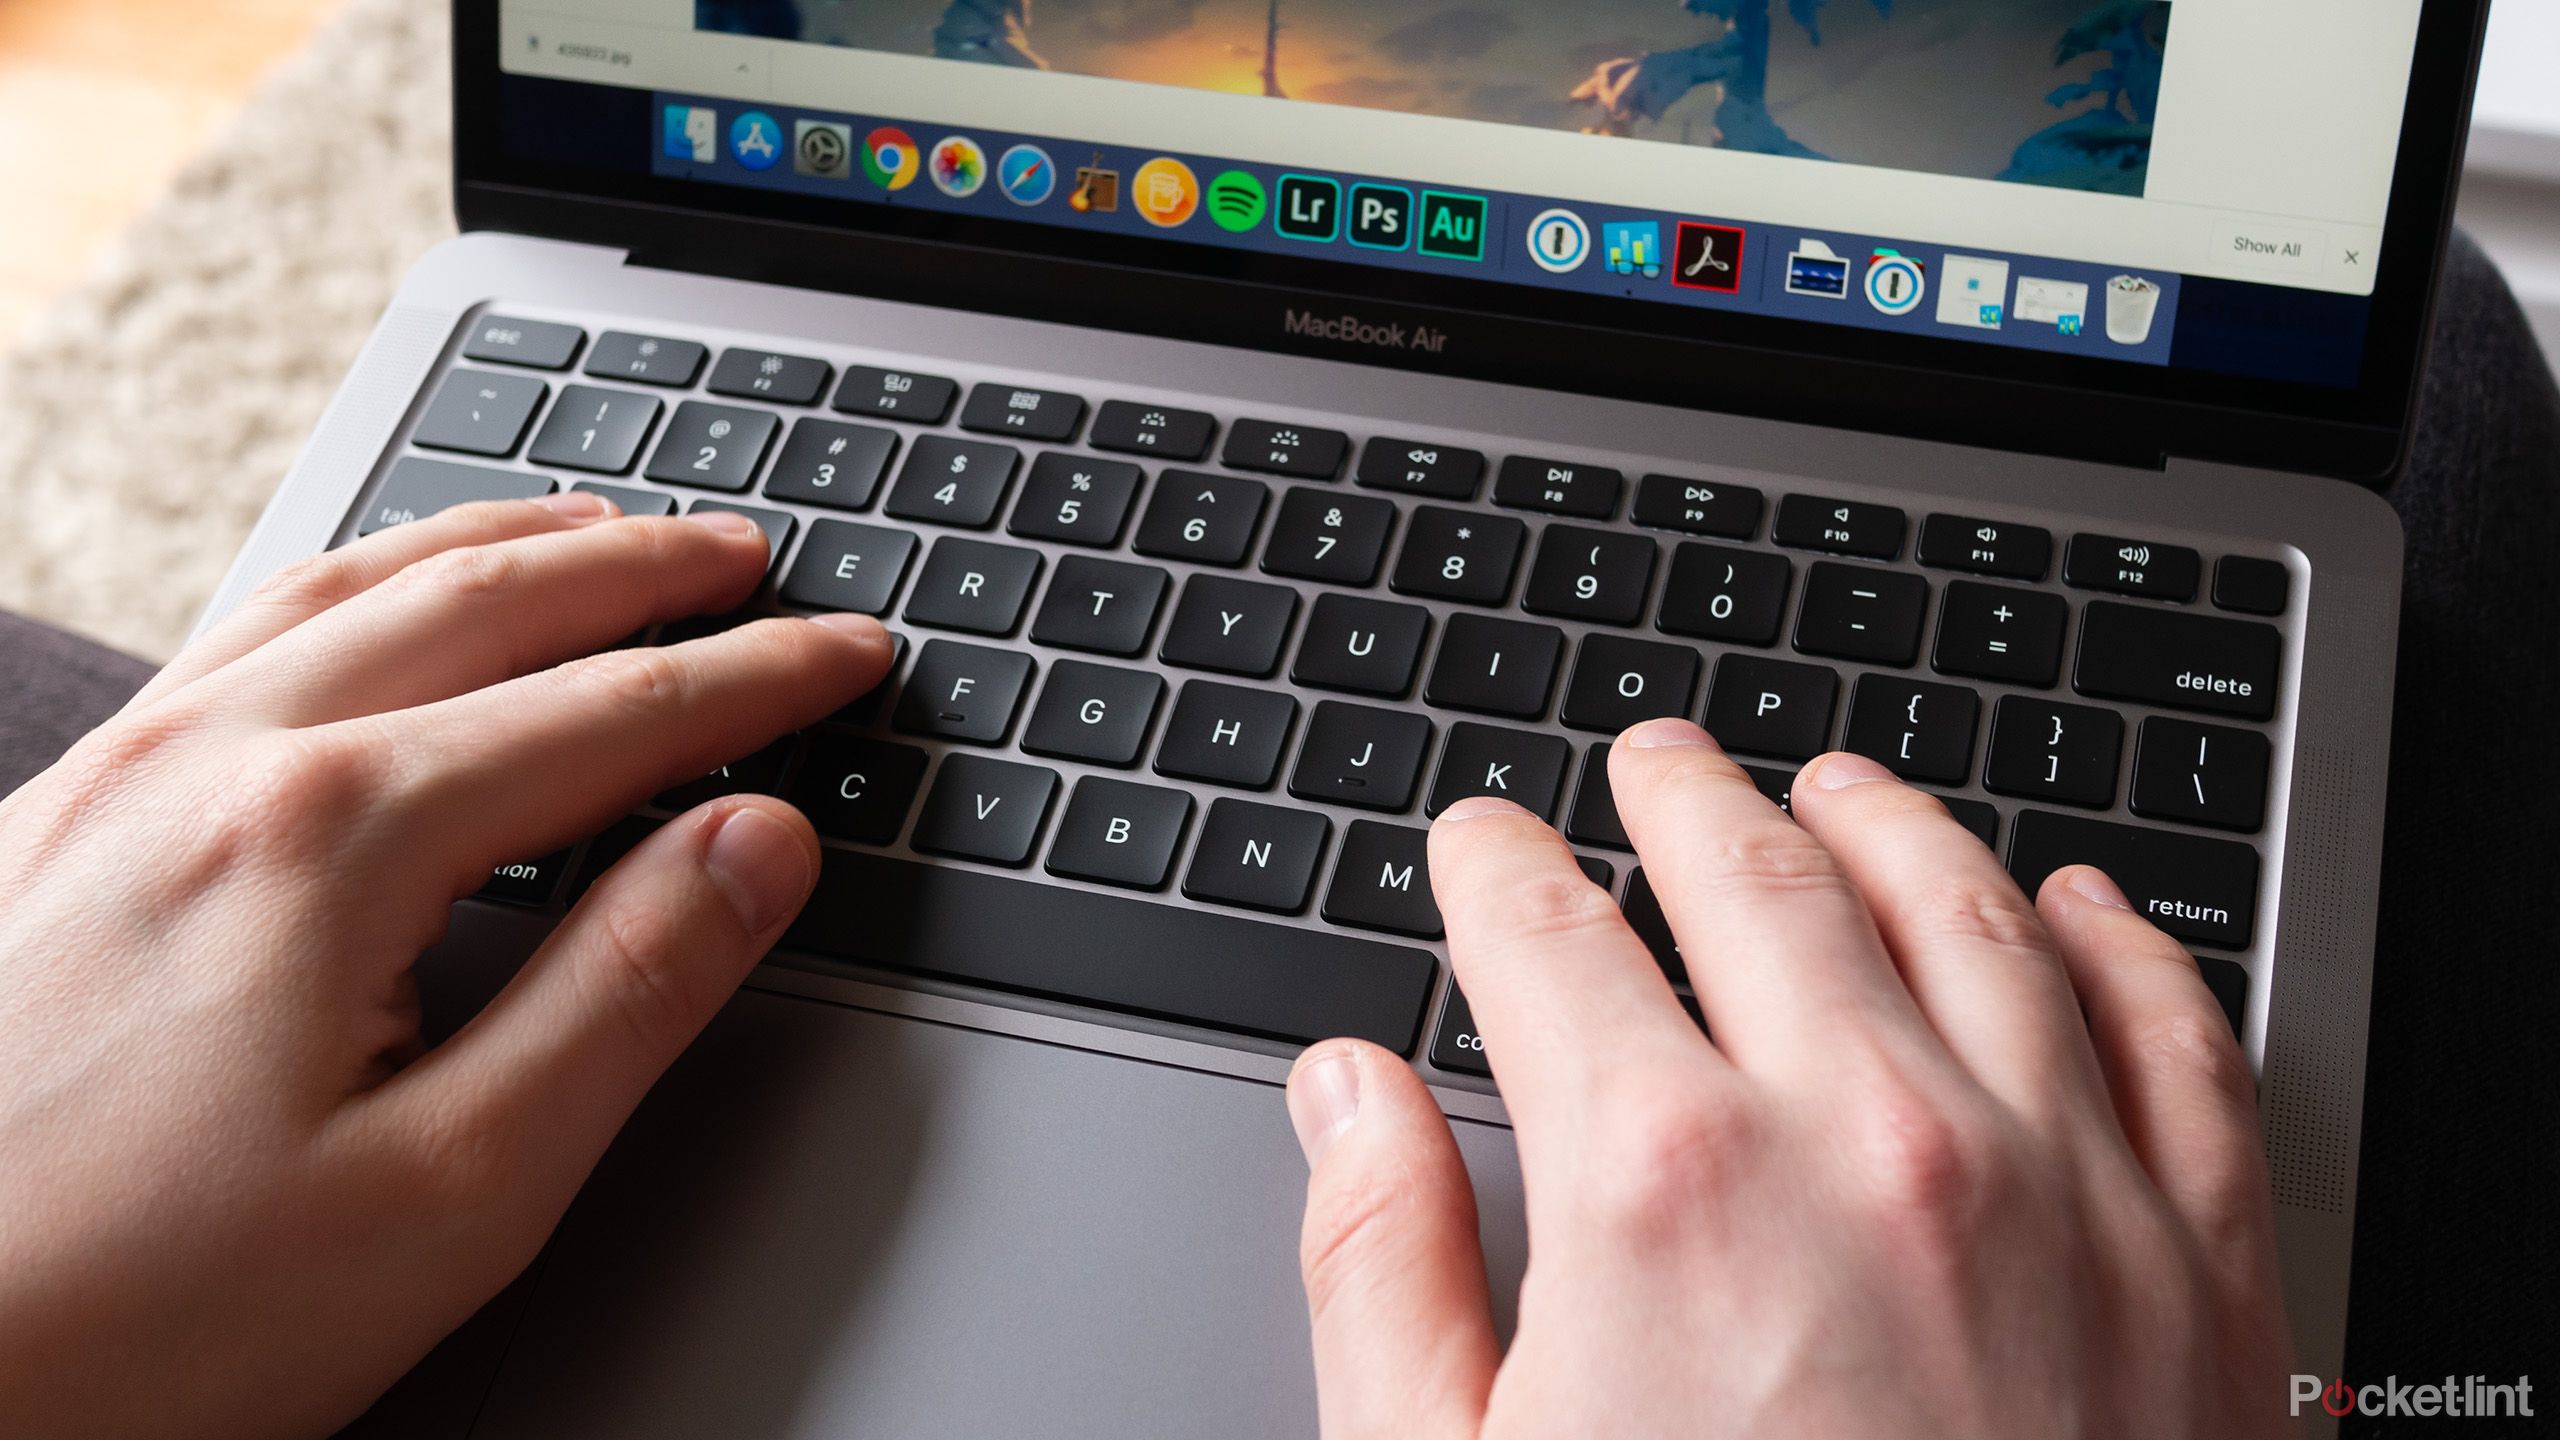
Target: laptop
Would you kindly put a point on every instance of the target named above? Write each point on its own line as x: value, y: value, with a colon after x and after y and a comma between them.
x: 1264, y: 424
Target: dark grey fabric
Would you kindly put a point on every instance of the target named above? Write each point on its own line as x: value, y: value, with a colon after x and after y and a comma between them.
x: 54, y: 688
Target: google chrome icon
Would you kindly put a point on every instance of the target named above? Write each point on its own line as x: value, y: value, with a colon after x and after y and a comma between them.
x: 891, y: 159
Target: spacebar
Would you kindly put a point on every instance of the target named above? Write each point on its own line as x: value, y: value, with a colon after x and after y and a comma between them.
x: 1196, y: 967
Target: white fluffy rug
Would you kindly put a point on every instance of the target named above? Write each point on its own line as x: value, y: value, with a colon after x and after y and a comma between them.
x: 145, y: 415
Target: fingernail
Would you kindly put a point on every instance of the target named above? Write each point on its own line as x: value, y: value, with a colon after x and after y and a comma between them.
x: 1656, y: 734
x: 860, y: 627
x: 2094, y: 886
x: 761, y: 867
x: 1839, y: 772
x: 1323, y: 1101
x: 577, y: 505
x: 727, y: 522
x: 1476, y: 807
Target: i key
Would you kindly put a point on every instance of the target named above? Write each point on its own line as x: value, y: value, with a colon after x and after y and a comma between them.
x: 1495, y: 667
x: 1585, y: 574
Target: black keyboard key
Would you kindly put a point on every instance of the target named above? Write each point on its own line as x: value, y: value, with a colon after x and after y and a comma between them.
x: 1584, y: 574
x: 1076, y: 500
x: 1262, y: 857
x: 757, y: 774
x: 1520, y: 766
x: 1415, y: 467
x: 1012, y: 410
x: 1644, y: 916
x: 1557, y: 487
x: 2202, y: 774
x: 527, y: 882
x: 1206, y: 519
x: 1120, y: 834
x: 596, y: 430
x: 1368, y: 647
x: 1843, y: 527
x: 1329, y: 537
x: 1458, y: 555
x: 416, y: 489
x: 895, y: 395
x: 1104, y: 606
x: 2178, y: 661
x: 1227, y: 735
x: 974, y: 586
x: 646, y: 359
x: 1995, y: 632
x: 1093, y: 712
x: 983, y: 809
x: 1916, y: 729
x: 2132, y: 567
x: 477, y: 413
x: 1853, y: 612
x: 1455, y: 1046
x: 849, y: 567
x: 608, y: 849
x: 949, y: 481
x: 1198, y: 967
x: 1495, y: 667
x: 1698, y: 507
x: 863, y: 711
x: 714, y: 447
x: 1236, y: 627
x: 857, y: 789
x: 1719, y: 593
x: 1619, y: 682
x: 2253, y: 587
x: 2200, y: 890
x: 764, y: 375
x: 1593, y: 817
x: 1357, y: 755
x: 1776, y: 786
x: 963, y: 692
x: 1383, y: 881
x: 831, y: 463
x: 776, y: 525
x: 1986, y: 547
x: 2044, y: 750
x: 1134, y: 429
x: 1771, y: 707
x: 536, y: 344
x: 1299, y: 451
x: 1976, y: 816
x: 2230, y: 986
x: 632, y: 501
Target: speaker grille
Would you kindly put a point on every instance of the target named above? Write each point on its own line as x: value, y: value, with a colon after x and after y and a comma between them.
x: 2314, y: 1046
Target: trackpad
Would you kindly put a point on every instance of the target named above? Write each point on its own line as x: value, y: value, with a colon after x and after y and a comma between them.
x: 830, y: 1222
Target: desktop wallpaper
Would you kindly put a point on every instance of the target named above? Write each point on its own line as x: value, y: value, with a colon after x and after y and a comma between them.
x: 2040, y: 92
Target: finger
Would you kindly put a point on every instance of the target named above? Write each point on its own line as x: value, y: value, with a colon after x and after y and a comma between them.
x: 299, y: 591
x: 1974, y: 956
x: 461, y: 619
x: 1394, y: 1273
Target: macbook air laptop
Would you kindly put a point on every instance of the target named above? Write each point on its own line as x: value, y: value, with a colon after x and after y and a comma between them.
x: 1264, y: 424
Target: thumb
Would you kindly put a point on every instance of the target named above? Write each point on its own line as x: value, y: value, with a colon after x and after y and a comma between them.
x: 1395, y: 1278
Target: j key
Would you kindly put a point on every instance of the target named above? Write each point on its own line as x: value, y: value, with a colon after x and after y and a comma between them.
x: 1457, y: 1046
x: 1583, y: 574
x: 1986, y: 547
x: 895, y: 395
x: 1618, y: 682
x: 1718, y: 593
x: 2047, y: 751
x: 2176, y: 660
x: 1076, y: 499
x: 856, y: 789
x: 974, y: 586
x: 416, y: 489
x: 830, y: 463
x: 538, y: 344
x: 954, y: 482
x: 1771, y: 707
x: 776, y: 525
x: 2202, y: 774
x: 1413, y: 467
x: 1593, y: 817
x: 1645, y: 917
x: 1456, y: 555
x: 1135, y: 429
x: 849, y: 567
x: 1329, y: 537
x: 1031, y: 414
x: 1588, y: 492
x: 1383, y: 881
x: 2132, y: 567
x: 1916, y: 729
x: 1495, y: 667
x: 528, y: 882
x: 1100, y: 605
x: 632, y: 501
x: 477, y: 413
x: 2251, y: 586
x: 1355, y: 755
x: 1844, y: 527
x: 763, y: 375
x: 1233, y: 626
x: 983, y: 809
x: 1227, y: 735
x: 1698, y: 507
x: 1996, y: 632
x: 1517, y: 765
x: 715, y: 447
x: 963, y: 692
x: 2199, y: 890
x: 1120, y: 834
x: 647, y: 359
x: 1852, y: 612
x: 1262, y: 857
x: 757, y: 774
x: 1208, y: 519
x: 1975, y: 816
x: 1299, y: 451
x: 1368, y: 647
x: 1093, y: 712
x: 596, y: 430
